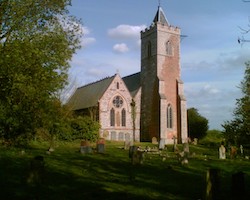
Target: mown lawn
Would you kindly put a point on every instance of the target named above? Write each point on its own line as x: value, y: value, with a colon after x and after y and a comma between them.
x: 69, y: 174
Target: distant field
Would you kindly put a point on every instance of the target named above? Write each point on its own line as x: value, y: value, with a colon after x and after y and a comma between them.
x: 69, y: 174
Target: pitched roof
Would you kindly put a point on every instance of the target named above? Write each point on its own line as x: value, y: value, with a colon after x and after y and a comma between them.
x: 133, y: 83
x: 88, y: 96
x: 160, y: 17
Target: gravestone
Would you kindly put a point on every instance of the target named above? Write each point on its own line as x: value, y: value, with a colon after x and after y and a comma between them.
x: 195, y: 142
x: 241, y: 150
x: 175, y: 148
x: 100, y: 145
x: 36, y: 171
x: 127, y: 142
x: 85, y: 147
x: 154, y: 140
x: 186, y: 149
x: 233, y: 152
x: 137, y: 157
x: 222, y: 152
x: 162, y: 144
x: 212, y: 185
x: 132, y: 150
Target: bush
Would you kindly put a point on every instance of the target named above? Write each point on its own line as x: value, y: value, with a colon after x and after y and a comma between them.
x: 212, y: 139
x: 85, y: 128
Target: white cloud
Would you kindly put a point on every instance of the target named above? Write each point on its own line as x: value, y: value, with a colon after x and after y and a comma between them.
x: 86, y: 41
x: 120, y: 48
x: 124, y: 31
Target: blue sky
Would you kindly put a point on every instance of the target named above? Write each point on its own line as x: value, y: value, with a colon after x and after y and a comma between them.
x: 211, y: 59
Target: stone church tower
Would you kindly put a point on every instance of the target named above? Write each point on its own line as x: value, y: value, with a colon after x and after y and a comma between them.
x: 163, y: 105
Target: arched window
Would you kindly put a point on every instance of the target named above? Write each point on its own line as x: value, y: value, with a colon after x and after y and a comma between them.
x: 169, y: 117
x: 149, y: 48
x: 123, y: 117
x: 112, y: 117
x: 117, y: 86
x: 168, y: 48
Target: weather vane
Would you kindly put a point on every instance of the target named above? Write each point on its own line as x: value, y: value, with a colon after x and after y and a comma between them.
x: 159, y: 1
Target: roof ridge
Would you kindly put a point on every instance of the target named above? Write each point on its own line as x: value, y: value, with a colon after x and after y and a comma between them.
x: 94, y: 82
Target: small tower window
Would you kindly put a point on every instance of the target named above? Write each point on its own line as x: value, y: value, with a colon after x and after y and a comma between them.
x: 169, y: 50
x: 169, y: 117
x: 149, y: 48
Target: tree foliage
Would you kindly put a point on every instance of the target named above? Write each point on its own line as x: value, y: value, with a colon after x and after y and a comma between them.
x: 37, y: 41
x: 197, y: 124
x: 237, y: 131
x: 85, y: 128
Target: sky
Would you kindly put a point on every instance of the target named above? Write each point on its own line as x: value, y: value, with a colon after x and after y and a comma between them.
x: 212, y: 61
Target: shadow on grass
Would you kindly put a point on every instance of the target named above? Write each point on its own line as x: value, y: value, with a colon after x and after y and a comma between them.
x: 71, y: 175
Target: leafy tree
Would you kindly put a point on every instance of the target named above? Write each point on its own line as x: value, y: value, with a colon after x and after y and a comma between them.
x: 237, y: 131
x: 197, y: 124
x: 37, y: 41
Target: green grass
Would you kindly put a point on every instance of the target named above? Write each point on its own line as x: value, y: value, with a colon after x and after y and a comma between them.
x: 72, y: 175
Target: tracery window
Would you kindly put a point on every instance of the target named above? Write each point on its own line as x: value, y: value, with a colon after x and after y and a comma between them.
x: 169, y: 117
x: 117, y: 102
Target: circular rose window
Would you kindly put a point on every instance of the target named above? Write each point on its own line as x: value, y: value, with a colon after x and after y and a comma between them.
x: 117, y: 102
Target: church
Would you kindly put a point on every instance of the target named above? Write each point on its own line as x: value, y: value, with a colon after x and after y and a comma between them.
x: 147, y: 104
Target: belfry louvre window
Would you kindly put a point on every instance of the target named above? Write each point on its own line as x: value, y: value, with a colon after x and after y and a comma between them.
x: 169, y: 48
x: 123, y: 117
x: 112, y: 117
x: 169, y: 117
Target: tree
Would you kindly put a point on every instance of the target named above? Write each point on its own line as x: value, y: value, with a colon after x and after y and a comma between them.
x: 197, y: 124
x: 85, y: 128
x: 37, y: 41
x: 237, y: 131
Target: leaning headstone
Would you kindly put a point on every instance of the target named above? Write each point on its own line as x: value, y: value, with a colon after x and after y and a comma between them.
x: 222, y: 152
x: 100, y: 145
x: 238, y: 186
x: 154, y: 140
x: 212, y: 185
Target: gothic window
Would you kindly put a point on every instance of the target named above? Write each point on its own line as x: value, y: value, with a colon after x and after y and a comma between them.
x: 112, y: 117
x: 149, y: 48
x: 123, y: 117
x: 117, y: 102
x: 168, y: 48
x: 169, y: 117
x: 118, y: 119
x: 117, y: 86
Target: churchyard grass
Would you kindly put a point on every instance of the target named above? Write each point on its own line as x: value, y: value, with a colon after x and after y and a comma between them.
x: 68, y: 174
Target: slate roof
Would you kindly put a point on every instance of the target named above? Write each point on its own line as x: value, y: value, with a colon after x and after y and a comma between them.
x: 160, y: 17
x: 88, y: 96
x: 133, y: 83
